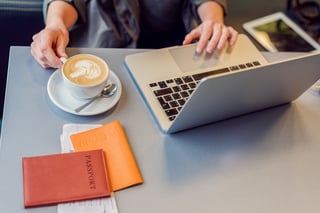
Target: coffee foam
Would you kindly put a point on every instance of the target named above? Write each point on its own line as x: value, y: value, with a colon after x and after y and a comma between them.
x: 85, y: 70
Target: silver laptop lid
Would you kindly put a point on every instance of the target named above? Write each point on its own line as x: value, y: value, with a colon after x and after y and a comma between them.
x: 257, y: 88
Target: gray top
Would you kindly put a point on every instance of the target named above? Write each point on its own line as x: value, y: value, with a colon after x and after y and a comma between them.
x: 105, y: 23
x: 160, y: 15
x: 263, y: 162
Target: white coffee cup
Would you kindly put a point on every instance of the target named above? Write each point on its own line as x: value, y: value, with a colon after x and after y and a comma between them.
x: 85, y: 75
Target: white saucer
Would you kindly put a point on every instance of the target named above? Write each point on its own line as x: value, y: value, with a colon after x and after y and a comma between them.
x: 60, y: 96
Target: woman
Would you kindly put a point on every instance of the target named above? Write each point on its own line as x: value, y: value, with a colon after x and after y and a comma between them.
x: 130, y: 23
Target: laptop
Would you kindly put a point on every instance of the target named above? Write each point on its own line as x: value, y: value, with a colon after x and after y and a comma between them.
x: 184, y: 90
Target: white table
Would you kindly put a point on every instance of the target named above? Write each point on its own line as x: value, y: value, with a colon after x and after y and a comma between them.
x: 262, y: 162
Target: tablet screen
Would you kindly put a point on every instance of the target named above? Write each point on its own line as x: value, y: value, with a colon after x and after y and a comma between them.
x: 280, y: 36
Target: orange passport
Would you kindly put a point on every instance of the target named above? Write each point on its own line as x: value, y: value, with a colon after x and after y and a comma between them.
x: 121, y: 164
x: 57, y: 178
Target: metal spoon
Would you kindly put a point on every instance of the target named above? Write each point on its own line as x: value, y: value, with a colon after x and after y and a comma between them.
x: 108, y: 91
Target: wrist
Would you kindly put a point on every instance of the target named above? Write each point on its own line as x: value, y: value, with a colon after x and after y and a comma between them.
x: 56, y: 25
x: 211, y: 11
x: 61, y: 14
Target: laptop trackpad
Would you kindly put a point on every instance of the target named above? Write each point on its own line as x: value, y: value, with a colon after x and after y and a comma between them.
x: 187, y: 59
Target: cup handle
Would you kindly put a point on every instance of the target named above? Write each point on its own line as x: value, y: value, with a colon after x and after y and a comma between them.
x: 63, y: 59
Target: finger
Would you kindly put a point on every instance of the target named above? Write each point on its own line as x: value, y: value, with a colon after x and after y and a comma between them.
x: 52, y: 60
x: 190, y: 37
x: 48, y: 52
x: 216, y: 35
x: 224, y: 37
x: 61, y: 45
x: 37, y: 55
x: 187, y: 39
x: 38, y: 58
x: 234, y: 36
x: 40, y: 47
x: 206, y: 33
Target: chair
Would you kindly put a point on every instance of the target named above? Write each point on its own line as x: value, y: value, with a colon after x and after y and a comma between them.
x: 19, y: 20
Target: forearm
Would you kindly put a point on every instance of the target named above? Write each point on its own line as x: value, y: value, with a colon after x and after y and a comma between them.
x: 211, y: 10
x: 211, y: 33
x: 61, y: 14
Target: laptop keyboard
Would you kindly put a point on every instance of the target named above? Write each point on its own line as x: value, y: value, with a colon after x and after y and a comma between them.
x: 172, y: 94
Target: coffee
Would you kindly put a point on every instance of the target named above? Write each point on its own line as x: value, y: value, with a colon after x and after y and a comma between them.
x: 85, y: 70
x: 85, y: 75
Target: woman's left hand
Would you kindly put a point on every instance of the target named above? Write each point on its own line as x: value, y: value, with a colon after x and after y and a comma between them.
x: 211, y: 35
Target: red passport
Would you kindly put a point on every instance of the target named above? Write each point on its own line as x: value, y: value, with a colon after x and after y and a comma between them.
x: 59, y: 178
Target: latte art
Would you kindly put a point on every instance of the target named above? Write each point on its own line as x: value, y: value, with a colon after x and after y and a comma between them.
x: 85, y: 70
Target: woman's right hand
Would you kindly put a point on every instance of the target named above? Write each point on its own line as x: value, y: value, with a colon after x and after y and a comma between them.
x: 49, y: 45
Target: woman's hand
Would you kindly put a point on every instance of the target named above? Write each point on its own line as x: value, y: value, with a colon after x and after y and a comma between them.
x: 49, y: 45
x: 211, y: 33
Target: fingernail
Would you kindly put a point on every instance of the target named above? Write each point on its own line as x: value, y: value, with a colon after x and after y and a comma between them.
x: 209, y: 50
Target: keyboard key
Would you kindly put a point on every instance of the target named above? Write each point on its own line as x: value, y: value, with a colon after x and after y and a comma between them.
x: 168, y: 98
x: 163, y: 104
x: 234, y: 68
x: 169, y: 81
x: 171, y: 112
x: 171, y: 118
x: 199, y: 76
x: 193, y: 85
x: 176, y: 96
x: 153, y: 84
x: 176, y: 89
x: 184, y: 94
x: 256, y: 63
x: 181, y: 102
x: 187, y: 79
x: 174, y: 104
x: 161, y: 101
x: 178, y: 81
x: 162, y: 84
x: 162, y: 92
x: 184, y: 87
x: 249, y: 64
